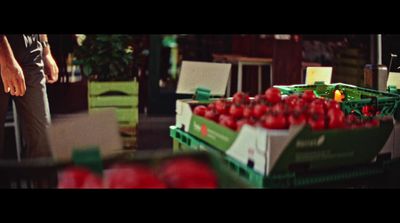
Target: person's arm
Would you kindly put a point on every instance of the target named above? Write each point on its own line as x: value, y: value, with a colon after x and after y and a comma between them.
x: 50, y: 65
x: 11, y: 72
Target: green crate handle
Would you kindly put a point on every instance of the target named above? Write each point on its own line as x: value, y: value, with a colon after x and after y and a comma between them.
x: 88, y: 157
x: 392, y: 89
x: 202, y: 94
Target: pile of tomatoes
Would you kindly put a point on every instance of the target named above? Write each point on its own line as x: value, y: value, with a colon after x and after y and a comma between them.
x: 273, y: 111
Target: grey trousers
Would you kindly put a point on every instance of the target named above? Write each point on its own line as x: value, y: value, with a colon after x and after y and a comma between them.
x: 32, y: 108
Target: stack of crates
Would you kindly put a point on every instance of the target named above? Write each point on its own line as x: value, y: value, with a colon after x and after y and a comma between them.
x: 124, y: 97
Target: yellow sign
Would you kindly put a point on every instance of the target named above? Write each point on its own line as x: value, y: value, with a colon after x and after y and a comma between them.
x: 394, y: 80
x: 318, y: 74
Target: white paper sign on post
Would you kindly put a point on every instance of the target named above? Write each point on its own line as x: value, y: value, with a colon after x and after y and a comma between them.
x: 314, y: 74
x: 213, y: 76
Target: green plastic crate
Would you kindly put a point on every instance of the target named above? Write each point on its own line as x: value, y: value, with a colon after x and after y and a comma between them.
x: 355, y: 97
x: 125, y: 87
x: 345, y: 176
x: 121, y: 95
x: 124, y: 115
x: 113, y: 101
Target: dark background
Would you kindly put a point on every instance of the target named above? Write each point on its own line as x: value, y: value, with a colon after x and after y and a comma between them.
x: 153, y: 66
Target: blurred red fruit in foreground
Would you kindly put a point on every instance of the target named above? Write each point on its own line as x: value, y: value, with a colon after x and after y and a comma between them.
x: 77, y: 177
x: 132, y: 178
x: 188, y: 173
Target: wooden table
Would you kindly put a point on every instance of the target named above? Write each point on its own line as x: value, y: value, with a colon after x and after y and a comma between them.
x: 244, y: 61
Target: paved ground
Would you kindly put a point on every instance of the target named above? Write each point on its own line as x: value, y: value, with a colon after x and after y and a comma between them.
x: 153, y: 133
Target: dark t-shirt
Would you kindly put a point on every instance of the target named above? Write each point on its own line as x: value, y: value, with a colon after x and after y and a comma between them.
x: 26, y: 48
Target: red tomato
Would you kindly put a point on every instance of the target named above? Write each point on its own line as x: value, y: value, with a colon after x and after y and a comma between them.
x: 259, y: 110
x: 211, y: 106
x: 336, y: 118
x: 200, y: 110
x: 236, y: 111
x: 291, y: 100
x: 211, y: 115
x: 316, y: 109
x: 260, y: 99
x: 300, y: 102
x: 278, y: 109
x: 308, y: 95
x: 242, y: 122
x: 316, y: 121
x: 273, y: 95
x: 131, y: 178
x: 352, y: 118
x: 229, y: 122
x: 247, y: 112
x: 320, y: 103
x: 368, y: 110
x: 275, y: 122
x: 188, y: 173
x: 297, y: 119
x: 331, y: 104
x: 334, y: 112
x: 240, y: 98
x: 298, y: 108
x: 222, y: 117
x: 221, y: 107
x: 365, y: 110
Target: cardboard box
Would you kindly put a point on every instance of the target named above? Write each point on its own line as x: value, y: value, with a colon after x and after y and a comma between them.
x: 280, y: 151
x: 392, y: 147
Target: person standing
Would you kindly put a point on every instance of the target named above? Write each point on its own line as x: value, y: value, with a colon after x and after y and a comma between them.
x: 26, y: 64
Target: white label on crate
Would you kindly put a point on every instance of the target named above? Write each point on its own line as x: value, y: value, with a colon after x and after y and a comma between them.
x: 185, y: 116
x: 245, y: 148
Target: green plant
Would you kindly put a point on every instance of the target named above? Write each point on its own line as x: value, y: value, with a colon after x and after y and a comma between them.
x: 105, y: 57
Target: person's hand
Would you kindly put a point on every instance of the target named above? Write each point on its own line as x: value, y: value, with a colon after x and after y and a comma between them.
x: 13, y: 78
x: 50, y: 68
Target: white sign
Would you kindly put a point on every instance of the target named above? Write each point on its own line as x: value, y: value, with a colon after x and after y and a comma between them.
x: 314, y: 74
x: 212, y: 76
x: 394, y: 79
